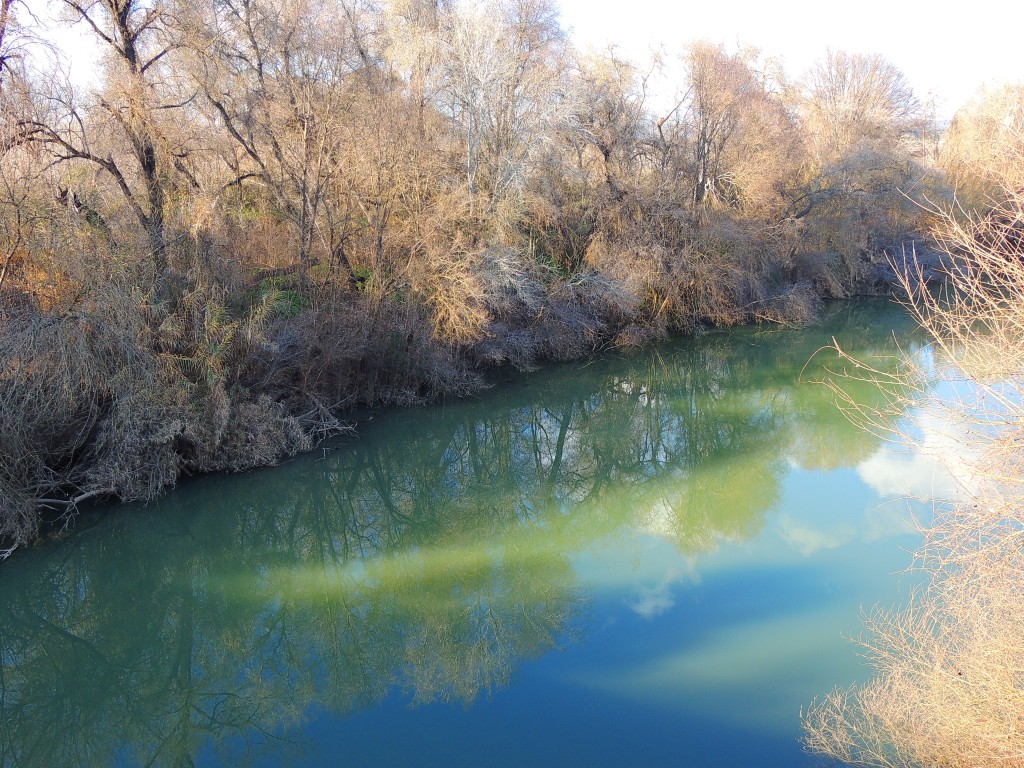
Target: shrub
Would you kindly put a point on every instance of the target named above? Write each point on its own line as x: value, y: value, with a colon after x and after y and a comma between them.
x: 948, y: 688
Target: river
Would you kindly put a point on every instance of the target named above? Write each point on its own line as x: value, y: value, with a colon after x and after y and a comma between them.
x: 652, y: 558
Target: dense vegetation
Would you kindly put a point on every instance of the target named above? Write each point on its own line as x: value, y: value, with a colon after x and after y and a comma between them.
x: 948, y: 689
x: 268, y: 212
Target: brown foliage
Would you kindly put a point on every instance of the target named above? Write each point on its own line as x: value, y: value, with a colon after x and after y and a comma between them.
x: 269, y: 213
x: 983, y: 153
x: 947, y: 689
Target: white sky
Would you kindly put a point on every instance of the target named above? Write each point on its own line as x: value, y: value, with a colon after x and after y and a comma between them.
x: 947, y: 48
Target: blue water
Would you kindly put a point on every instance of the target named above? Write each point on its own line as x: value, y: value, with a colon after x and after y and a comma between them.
x: 653, y: 558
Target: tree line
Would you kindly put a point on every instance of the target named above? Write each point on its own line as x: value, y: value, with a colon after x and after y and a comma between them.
x: 265, y: 213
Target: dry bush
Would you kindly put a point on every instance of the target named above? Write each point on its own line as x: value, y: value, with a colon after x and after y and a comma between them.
x: 515, y: 300
x: 259, y: 434
x: 670, y: 271
x: 634, y: 267
x: 729, y: 273
x: 948, y: 688
x: 796, y: 305
x: 354, y: 349
x: 77, y: 400
x: 446, y: 267
x: 107, y: 390
x: 571, y: 323
x: 982, y: 153
x: 487, y: 294
x: 47, y: 395
x: 453, y: 286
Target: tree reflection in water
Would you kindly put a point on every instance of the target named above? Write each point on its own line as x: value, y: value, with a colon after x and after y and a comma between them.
x: 433, y: 555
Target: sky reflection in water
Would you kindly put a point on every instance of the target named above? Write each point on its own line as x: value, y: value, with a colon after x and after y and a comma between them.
x: 645, y: 559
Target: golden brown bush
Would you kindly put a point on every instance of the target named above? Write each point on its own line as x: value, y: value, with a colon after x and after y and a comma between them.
x: 983, y: 153
x: 948, y: 688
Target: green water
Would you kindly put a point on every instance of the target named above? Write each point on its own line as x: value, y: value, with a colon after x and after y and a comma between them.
x: 643, y: 559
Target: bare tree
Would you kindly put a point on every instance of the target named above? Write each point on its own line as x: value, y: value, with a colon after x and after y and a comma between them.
x: 609, y: 115
x: 7, y: 33
x: 19, y: 180
x: 501, y: 66
x: 741, y: 140
x: 17, y: 171
x: 278, y: 78
x: 412, y: 28
x: 855, y: 99
x: 720, y: 87
x: 137, y: 38
x: 863, y: 134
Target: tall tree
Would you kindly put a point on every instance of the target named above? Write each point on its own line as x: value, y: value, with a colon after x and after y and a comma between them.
x: 501, y: 71
x: 862, y: 125
x: 857, y: 99
x: 137, y: 38
x: 6, y: 48
x: 18, y: 170
x: 722, y: 87
x: 277, y: 77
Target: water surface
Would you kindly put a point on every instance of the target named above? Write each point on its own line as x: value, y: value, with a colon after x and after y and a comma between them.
x: 643, y: 559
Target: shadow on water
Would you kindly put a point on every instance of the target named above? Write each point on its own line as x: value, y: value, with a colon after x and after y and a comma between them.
x: 431, y: 557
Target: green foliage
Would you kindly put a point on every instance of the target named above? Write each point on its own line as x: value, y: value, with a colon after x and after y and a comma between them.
x: 277, y: 297
x: 363, y: 277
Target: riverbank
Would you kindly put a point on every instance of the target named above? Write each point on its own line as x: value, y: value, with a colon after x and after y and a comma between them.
x: 208, y: 259
x: 121, y: 398
x: 581, y: 553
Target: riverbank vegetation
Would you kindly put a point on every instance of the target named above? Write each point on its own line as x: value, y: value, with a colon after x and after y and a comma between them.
x: 947, y: 689
x: 266, y: 213
x: 432, y: 559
